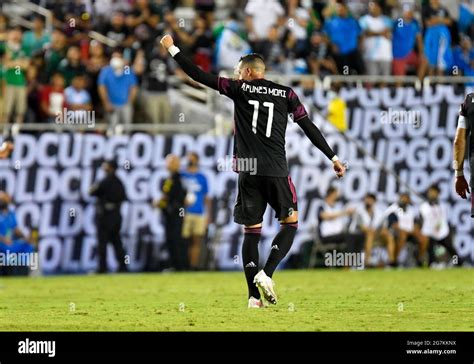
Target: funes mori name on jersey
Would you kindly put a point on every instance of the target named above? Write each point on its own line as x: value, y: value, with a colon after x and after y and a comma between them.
x: 264, y: 90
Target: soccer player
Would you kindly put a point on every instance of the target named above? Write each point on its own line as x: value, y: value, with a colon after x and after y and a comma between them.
x: 463, y: 131
x: 261, y: 109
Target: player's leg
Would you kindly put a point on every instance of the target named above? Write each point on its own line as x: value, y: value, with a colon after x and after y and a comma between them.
x: 250, y: 258
x: 282, y: 198
x: 280, y: 193
x: 249, y: 209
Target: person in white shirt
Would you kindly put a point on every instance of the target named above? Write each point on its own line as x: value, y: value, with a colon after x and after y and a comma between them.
x: 333, y: 219
x: 434, y: 225
x: 367, y: 222
x: 377, y: 41
x: 402, y: 223
x: 261, y: 16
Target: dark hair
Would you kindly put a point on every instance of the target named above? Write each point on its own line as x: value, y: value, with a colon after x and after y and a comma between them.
x: 252, y: 59
x: 434, y: 187
x: 195, y: 155
x: 112, y: 163
x: 371, y: 195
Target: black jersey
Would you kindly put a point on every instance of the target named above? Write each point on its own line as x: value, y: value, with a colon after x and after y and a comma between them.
x: 261, y: 109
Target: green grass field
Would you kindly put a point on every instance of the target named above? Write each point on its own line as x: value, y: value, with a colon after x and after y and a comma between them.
x: 316, y: 300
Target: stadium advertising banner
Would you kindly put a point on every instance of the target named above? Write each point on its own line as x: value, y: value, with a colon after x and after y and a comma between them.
x: 49, y: 176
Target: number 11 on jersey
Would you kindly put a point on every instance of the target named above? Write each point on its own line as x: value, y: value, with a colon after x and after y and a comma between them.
x: 256, y: 106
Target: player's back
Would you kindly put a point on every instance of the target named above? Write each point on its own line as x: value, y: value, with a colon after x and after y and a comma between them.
x: 261, y: 109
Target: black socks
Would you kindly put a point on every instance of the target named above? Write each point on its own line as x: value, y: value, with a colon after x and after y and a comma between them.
x: 280, y: 246
x: 250, y: 258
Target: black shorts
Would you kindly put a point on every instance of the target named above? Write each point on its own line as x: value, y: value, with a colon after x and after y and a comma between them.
x: 255, y: 192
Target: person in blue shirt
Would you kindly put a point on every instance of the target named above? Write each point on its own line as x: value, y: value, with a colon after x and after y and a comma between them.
x: 437, y: 38
x: 344, y: 31
x: 117, y: 86
x: 198, y: 210
x: 406, y: 36
x: 463, y: 57
x: 11, y: 237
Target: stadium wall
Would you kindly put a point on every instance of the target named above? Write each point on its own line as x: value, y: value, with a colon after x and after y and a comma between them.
x: 49, y: 175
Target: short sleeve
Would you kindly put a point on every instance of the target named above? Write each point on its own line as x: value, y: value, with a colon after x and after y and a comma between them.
x: 295, y: 107
x: 228, y: 87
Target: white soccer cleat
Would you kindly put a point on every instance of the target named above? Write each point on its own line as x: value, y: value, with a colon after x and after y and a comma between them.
x: 255, y: 303
x: 266, y: 284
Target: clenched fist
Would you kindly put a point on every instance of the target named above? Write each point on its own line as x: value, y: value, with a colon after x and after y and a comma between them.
x: 167, y: 41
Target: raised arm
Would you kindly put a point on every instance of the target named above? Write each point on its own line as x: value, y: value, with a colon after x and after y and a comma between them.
x: 193, y: 71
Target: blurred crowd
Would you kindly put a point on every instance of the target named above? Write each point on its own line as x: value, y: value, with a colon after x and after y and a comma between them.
x: 126, y: 77
x: 401, y: 234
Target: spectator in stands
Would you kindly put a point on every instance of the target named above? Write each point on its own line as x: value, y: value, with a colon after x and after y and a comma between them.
x: 332, y: 216
x: 206, y: 7
x: 33, y: 114
x: 463, y: 57
x: 3, y: 30
x: 155, y: 85
x: 198, y: 210
x: 402, y: 223
x: 298, y: 21
x: 52, y: 100
x: 273, y: 51
x: 231, y: 43
x: 435, y: 227
x: 116, y: 30
x: 117, y: 86
x: 96, y: 61
x: 200, y: 41
x: 466, y: 18
x: 143, y: 12
x: 260, y: 16
x: 36, y: 39
x: 55, y: 52
x: 71, y: 66
x: 367, y: 224
x: 78, y: 98
x: 377, y: 41
x: 406, y: 37
x: 11, y: 237
x: 15, y: 62
x: 343, y: 31
x: 437, y: 38
x: 3, y: 39
x: 320, y: 60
